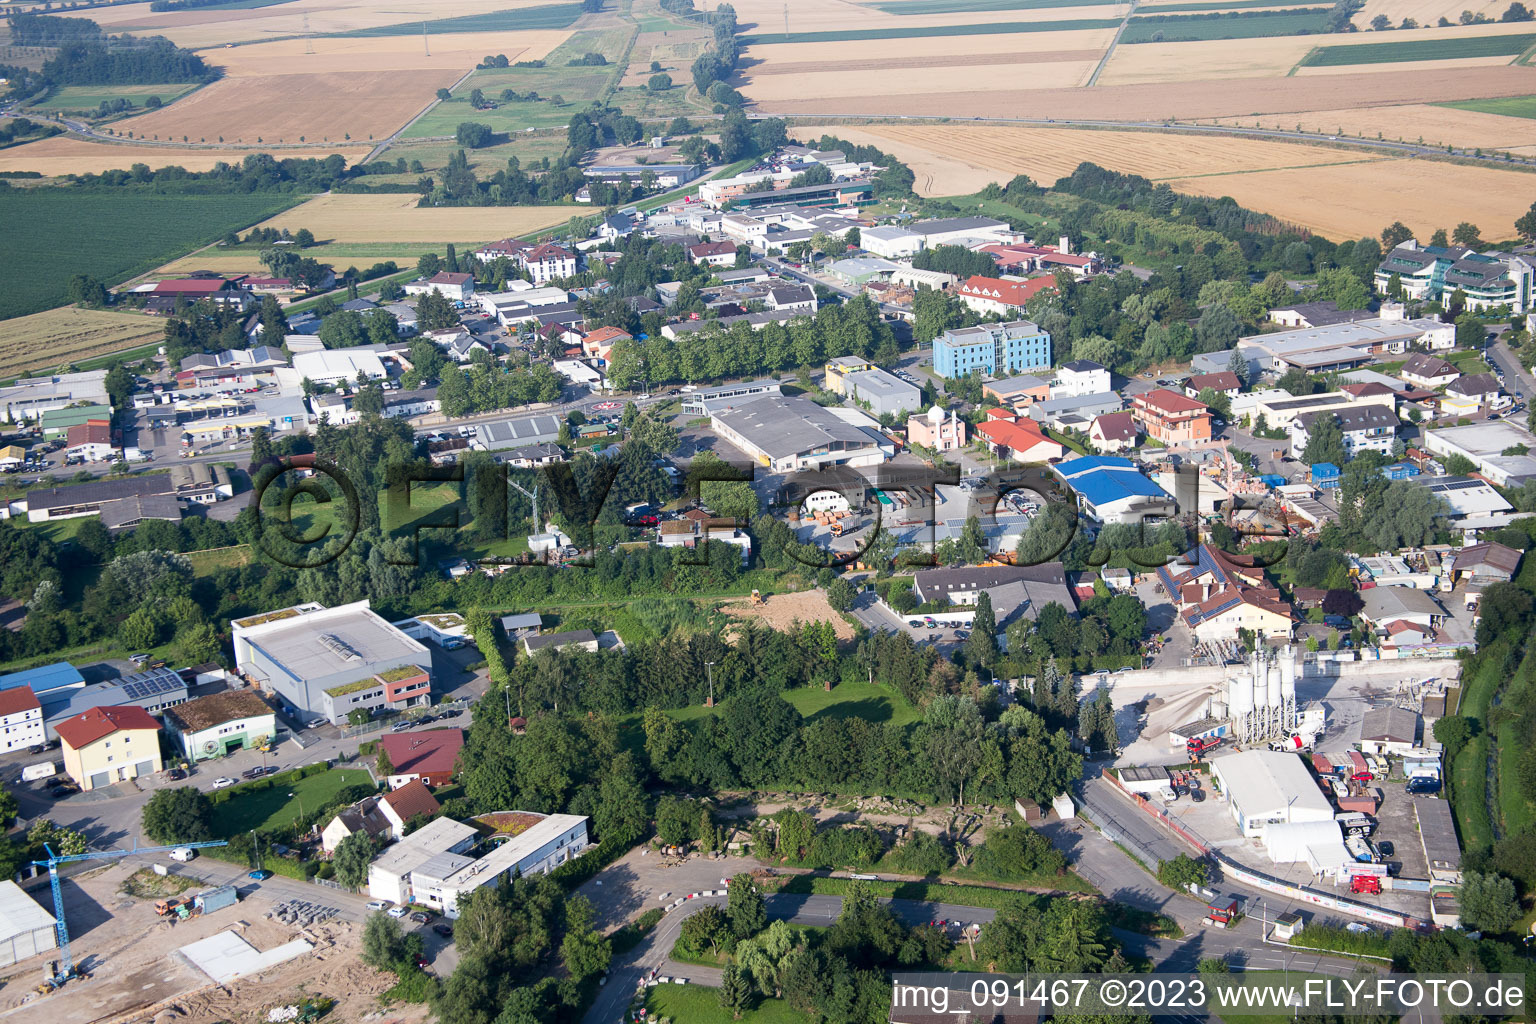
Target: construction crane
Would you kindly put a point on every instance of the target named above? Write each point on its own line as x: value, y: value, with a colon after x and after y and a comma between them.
x: 66, y: 968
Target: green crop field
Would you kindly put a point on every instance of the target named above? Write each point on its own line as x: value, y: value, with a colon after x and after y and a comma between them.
x: 1234, y: 5
x: 552, y: 16
x: 575, y: 86
x: 88, y: 97
x: 1419, y: 49
x: 1241, y: 25
x: 966, y: 6
x: 856, y: 34
x: 129, y: 231
x: 1509, y: 106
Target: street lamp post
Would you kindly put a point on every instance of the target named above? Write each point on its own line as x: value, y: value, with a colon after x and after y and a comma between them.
x: 301, y: 803
x: 709, y: 670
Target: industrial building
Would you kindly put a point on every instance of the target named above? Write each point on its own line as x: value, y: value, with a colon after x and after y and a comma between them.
x: 1485, y: 443
x: 1264, y: 787
x: 389, y: 876
x: 1437, y: 831
x: 153, y: 690
x: 45, y: 679
x: 221, y: 723
x: 787, y: 434
x: 882, y: 392
x: 98, y: 497
x: 503, y: 434
x: 327, y: 662
x: 708, y: 401
x: 26, y: 929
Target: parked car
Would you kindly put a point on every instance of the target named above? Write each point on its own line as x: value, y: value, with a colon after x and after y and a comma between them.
x: 377, y: 904
x: 421, y: 917
x: 252, y: 773
x: 445, y: 930
x: 176, y: 774
x: 317, y: 723
x: 260, y: 875
x: 450, y: 713
x: 223, y: 783
x: 397, y: 912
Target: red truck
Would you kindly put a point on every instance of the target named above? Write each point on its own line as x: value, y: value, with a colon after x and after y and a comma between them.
x: 1200, y: 746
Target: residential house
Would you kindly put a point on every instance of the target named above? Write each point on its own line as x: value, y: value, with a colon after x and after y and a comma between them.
x: 107, y: 745
x: 365, y: 816
x: 1366, y: 428
x: 1080, y: 377
x: 1113, y: 432
x: 794, y: 298
x: 1015, y: 590
x: 1010, y: 436
x: 548, y: 262
x: 533, y: 456
x: 598, y: 344
x: 91, y: 441
x: 458, y: 344
x: 1428, y: 371
x: 430, y: 756
x: 221, y: 723
x: 1471, y: 392
x: 1172, y: 418
x: 1019, y: 392
x: 1218, y: 594
x: 21, y: 720
x: 839, y: 368
x: 619, y: 225
x: 455, y: 287
x: 1223, y: 383
x: 713, y: 254
x: 512, y: 249
x: 1011, y: 347
x: 1000, y: 295
x: 582, y: 638
x: 1384, y: 605
x: 932, y: 430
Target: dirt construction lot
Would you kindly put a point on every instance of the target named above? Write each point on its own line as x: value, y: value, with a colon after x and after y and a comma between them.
x: 137, y: 975
x: 781, y: 611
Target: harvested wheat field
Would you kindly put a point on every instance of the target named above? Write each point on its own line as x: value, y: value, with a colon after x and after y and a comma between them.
x: 458, y: 52
x: 766, y: 17
x: 1438, y: 126
x: 1207, y: 59
x: 1356, y: 200
x: 1324, y: 71
x: 1242, y: 97
x: 959, y: 48
x: 291, y: 108
x: 67, y: 334
x: 1046, y: 154
x: 65, y: 155
x: 971, y: 74
x: 781, y: 611
x: 1426, y: 12
x: 396, y: 218
x: 218, y: 26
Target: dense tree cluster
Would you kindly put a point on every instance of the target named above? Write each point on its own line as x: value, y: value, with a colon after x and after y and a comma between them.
x: 84, y: 55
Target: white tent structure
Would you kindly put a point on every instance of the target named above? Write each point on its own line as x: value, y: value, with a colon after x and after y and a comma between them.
x: 1319, y: 843
x: 26, y: 929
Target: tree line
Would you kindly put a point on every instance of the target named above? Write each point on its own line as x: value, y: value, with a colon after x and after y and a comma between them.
x: 87, y: 56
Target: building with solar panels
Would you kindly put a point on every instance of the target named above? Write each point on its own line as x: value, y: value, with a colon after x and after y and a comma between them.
x: 324, y: 663
x: 154, y: 691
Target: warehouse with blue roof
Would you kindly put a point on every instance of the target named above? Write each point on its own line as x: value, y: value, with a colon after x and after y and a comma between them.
x: 45, y: 679
x: 1113, y: 490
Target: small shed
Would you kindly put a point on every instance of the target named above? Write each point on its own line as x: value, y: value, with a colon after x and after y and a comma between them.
x: 1288, y: 925
x: 1145, y: 778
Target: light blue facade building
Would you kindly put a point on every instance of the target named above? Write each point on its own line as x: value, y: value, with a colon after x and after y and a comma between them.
x: 1001, y: 349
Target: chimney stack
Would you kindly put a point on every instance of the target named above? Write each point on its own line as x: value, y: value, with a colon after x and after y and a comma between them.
x: 1064, y: 246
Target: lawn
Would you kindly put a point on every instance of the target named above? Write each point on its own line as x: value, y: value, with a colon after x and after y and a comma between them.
x: 1468, y: 362
x: 1419, y: 49
x: 928, y: 31
x: 130, y: 232
x: 206, y: 563
x: 1156, y: 28
x: 273, y: 807
x: 695, y: 1004
x: 853, y: 700
x: 523, y: 19
x: 1469, y: 769
x: 1508, y: 106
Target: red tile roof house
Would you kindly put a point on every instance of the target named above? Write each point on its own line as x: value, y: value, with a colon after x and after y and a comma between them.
x: 1012, y: 437
x: 547, y: 262
x: 996, y: 295
x: 714, y: 254
x: 1223, y: 383
x: 1172, y: 418
x: 430, y: 756
x: 91, y: 440
x: 507, y: 249
x: 599, y: 343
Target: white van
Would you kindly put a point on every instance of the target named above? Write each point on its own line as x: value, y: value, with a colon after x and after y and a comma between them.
x: 183, y: 854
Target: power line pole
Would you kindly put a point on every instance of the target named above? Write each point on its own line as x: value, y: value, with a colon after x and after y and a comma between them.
x: 309, y: 40
x: 425, y: 44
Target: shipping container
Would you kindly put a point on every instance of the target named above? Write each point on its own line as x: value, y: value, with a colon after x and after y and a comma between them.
x: 217, y: 899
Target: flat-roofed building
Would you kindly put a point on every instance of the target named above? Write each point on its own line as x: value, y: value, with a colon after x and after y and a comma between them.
x: 1264, y: 787
x: 1010, y: 348
x: 787, y: 434
x: 538, y: 848
x: 327, y: 662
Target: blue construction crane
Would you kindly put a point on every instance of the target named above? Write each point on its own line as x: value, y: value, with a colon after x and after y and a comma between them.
x: 66, y: 965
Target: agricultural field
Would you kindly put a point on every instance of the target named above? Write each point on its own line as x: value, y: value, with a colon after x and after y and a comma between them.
x: 575, y: 86
x: 1508, y: 106
x: 1427, y: 12
x: 395, y: 219
x: 68, y: 335
x: 129, y: 233
x: 65, y: 155
x: 210, y: 27
x: 948, y: 159
x: 459, y: 52
x: 1234, y: 25
x: 1359, y: 199
x: 979, y: 73
x: 1205, y: 60
x: 1436, y: 125
x: 85, y: 99
x: 550, y: 16
x: 1509, y: 45
x: 928, y: 31
x: 291, y: 109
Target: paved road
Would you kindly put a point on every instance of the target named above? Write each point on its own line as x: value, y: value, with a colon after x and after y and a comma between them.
x: 1517, y: 381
